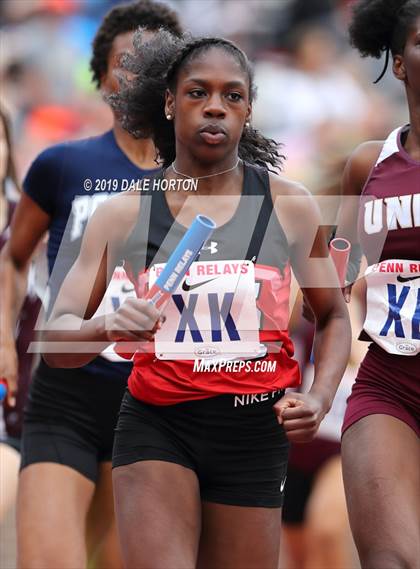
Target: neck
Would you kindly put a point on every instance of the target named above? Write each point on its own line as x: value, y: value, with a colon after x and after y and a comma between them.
x: 217, y: 179
x: 140, y: 151
x: 412, y: 145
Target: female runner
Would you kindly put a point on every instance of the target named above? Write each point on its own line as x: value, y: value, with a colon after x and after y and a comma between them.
x: 199, y: 457
x: 380, y: 445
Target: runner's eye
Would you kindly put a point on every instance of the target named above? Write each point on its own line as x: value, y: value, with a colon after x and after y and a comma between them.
x: 235, y: 97
x: 196, y: 93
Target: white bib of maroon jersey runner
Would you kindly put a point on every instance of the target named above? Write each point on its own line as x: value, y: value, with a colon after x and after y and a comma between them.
x: 119, y: 289
x: 393, y: 306
x: 212, y: 314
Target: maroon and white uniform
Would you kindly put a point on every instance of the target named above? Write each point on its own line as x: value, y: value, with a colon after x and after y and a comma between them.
x: 388, y: 380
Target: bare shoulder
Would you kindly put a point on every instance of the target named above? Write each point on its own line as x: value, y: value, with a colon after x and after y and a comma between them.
x: 117, y: 216
x: 282, y: 186
x: 294, y: 206
x: 359, y: 166
x: 291, y: 199
x: 367, y: 151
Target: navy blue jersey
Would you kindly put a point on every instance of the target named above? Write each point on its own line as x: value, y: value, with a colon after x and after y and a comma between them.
x: 68, y: 182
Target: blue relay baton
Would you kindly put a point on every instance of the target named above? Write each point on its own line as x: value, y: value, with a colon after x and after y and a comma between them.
x: 185, y: 253
x: 181, y: 259
x: 3, y: 389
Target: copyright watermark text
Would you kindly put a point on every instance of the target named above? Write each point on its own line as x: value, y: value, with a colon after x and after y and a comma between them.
x: 140, y: 185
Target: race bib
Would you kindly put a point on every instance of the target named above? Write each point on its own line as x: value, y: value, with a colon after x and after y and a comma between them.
x: 211, y: 315
x: 119, y: 289
x: 393, y: 306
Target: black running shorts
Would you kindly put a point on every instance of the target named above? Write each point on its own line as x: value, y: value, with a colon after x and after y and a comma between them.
x: 232, y: 442
x: 70, y: 419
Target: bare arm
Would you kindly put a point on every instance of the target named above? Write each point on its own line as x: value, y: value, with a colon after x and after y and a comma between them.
x: 29, y: 225
x: 82, y: 337
x: 316, y: 275
x: 355, y: 176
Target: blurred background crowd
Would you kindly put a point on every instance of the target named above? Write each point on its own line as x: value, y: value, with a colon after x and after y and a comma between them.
x: 315, y: 95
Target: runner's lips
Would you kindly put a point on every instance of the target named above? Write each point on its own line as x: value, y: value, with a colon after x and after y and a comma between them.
x: 213, y: 134
x: 213, y: 129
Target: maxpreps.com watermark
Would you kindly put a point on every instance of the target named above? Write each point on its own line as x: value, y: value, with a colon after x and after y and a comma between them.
x: 140, y: 185
x: 235, y: 366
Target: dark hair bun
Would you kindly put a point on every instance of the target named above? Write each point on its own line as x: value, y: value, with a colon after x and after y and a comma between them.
x: 372, y: 26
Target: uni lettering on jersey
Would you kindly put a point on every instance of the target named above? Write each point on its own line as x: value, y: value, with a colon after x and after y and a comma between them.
x: 401, y: 212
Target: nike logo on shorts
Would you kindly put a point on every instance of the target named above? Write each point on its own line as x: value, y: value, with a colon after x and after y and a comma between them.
x: 283, y: 483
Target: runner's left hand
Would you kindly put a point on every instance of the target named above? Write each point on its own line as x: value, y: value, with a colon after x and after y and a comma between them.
x: 301, y: 415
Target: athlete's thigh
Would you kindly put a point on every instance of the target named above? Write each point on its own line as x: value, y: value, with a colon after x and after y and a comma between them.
x: 52, y: 505
x: 380, y: 457
x: 236, y: 537
x: 158, y: 511
x: 101, y: 512
x: 9, y: 468
x: 101, y: 527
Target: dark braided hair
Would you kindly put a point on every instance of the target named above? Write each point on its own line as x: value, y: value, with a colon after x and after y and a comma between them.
x: 155, y: 67
x: 127, y: 18
x: 380, y: 26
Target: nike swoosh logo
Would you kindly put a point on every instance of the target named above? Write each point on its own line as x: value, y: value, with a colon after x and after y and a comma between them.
x: 127, y: 288
x: 187, y: 287
x: 401, y: 279
x: 283, y: 484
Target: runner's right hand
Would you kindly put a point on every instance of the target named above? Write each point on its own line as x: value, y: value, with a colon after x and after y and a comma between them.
x: 135, y: 319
